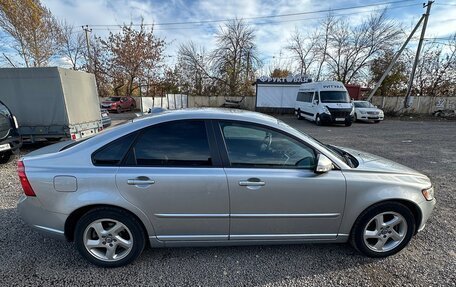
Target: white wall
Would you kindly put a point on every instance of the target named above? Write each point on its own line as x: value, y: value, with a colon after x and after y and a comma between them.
x: 276, y: 96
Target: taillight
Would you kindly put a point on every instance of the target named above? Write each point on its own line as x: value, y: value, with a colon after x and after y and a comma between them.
x: 73, y: 136
x: 28, y: 190
x: 100, y: 129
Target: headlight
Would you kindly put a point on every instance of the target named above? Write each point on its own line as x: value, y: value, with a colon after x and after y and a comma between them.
x: 352, y: 111
x: 428, y: 193
x: 325, y: 110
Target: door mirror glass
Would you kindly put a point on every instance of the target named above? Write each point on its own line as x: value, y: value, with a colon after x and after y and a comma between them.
x: 315, y: 102
x: 324, y: 164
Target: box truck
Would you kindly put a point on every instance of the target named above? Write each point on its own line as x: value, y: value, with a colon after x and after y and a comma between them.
x: 51, y: 103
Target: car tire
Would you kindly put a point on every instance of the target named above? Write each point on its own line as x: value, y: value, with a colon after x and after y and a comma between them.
x: 383, y: 229
x: 318, y: 120
x: 118, y: 109
x: 116, y: 237
x: 348, y: 122
x: 5, y: 157
x: 298, y: 115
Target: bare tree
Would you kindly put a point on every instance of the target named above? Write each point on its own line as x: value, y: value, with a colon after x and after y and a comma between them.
x: 235, y: 57
x: 302, y: 47
x: 33, y: 28
x: 73, y: 45
x: 194, y: 69
x: 351, y: 48
x: 436, y: 71
x: 321, y: 45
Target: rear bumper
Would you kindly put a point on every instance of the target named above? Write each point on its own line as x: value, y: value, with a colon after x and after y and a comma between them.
x: 45, y: 222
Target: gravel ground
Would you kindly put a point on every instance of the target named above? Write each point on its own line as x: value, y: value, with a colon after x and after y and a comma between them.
x: 28, y: 259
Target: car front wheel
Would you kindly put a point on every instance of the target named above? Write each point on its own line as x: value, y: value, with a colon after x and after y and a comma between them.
x: 383, y: 229
x: 5, y: 156
x: 109, y: 237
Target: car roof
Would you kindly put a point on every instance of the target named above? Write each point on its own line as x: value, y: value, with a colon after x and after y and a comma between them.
x: 209, y: 113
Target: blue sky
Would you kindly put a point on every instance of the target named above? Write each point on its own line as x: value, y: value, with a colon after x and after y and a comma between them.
x: 271, y: 33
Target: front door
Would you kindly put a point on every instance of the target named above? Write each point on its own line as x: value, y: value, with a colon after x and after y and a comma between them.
x: 171, y: 173
x: 274, y: 191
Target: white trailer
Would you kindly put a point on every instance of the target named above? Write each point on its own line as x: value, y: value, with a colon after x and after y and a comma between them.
x: 51, y: 102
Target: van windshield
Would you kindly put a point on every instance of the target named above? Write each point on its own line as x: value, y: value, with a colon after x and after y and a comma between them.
x: 334, y: 97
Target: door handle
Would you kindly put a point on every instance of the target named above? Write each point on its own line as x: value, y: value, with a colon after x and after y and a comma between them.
x: 142, y: 180
x: 252, y: 182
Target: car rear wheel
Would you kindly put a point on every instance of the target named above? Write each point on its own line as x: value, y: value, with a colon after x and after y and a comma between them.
x: 298, y: 114
x: 5, y: 157
x: 109, y: 237
x: 383, y: 229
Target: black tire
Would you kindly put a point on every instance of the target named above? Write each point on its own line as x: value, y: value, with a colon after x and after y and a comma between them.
x: 5, y: 157
x: 348, y: 122
x: 118, y: 109
x: 357, y: 233
x: 318, y: 120
x: 298, y: 115
x: 136, y: 234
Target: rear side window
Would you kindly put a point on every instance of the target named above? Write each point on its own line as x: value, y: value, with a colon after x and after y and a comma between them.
x: 113, y: 153
x: 172, y: 144
x: 304, y: 97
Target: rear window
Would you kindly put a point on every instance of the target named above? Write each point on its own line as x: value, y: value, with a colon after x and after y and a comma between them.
x: 113, y: 153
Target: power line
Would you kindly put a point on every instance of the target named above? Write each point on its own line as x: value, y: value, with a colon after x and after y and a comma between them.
x: 261, y: 17
x: 263, y: 23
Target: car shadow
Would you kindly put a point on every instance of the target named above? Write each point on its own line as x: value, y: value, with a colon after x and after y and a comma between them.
x: 39, y: 259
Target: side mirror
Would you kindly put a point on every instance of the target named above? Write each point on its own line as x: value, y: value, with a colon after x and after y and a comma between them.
x: 315, y: 102
x: 324, y: 164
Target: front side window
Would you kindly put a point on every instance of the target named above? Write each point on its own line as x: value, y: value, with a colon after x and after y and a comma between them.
x: 249, y: 145
x: 334, y: 97
x: 173, y: 144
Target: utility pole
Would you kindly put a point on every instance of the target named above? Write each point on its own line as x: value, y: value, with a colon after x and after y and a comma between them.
x: 418, y: 51
x: 393, y: 61
x: 88, y: 30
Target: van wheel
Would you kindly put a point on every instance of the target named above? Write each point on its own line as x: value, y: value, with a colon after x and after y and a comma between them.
x: 298, y: 115
x: 348, y: 122
x: 318, y: 120
x: 4, y: 157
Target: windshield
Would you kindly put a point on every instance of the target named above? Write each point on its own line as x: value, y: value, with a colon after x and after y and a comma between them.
x: 334, y: 97
x: 114, y: 99
x: 329, y: 148
x: 363, y: 105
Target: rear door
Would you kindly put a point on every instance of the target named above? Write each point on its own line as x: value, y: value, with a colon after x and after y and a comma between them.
x: 173, y: 173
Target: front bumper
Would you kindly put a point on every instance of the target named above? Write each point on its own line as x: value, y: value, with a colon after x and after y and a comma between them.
x: 370, y: 118
x: 45, y: 222
x: 330, y: 119
x: 426, y: 208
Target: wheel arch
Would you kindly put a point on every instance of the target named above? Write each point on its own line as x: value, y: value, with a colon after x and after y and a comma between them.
x: 412, y: 206
x: 73, y: 218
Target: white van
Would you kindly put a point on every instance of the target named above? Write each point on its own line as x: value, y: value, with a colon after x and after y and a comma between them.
x: 324, y: 102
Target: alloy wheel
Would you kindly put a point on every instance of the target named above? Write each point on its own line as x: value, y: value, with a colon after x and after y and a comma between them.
x: 108, y: 240
x: 385, y: 231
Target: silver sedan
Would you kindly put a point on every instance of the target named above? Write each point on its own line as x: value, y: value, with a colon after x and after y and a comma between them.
x: 217, y: 177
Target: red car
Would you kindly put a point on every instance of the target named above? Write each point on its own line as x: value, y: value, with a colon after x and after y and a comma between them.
x: 119, y: 104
